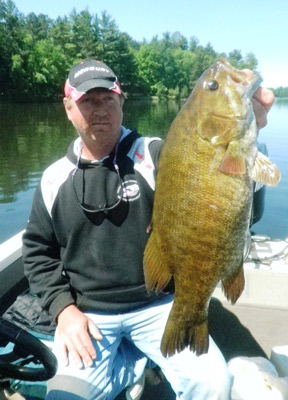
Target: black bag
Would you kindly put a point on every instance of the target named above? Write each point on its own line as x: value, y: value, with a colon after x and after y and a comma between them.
x: 27, y: 313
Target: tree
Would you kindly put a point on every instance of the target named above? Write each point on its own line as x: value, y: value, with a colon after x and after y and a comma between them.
x: 40, y: 74
x: 281, y: 92
x: 235, y: 58
x: 184, y: 63
x: 251, y: 62
x: 37, y: 52
x: 62, y: 35
x: 125, y: 66
x: 194, y: 42
x: 109, y: 36
x: 85, y: 35
x: 204, y: 57
x: 179, y: 41
x: 38, y: 26
x: 11, y: 34
x: 149, y: 67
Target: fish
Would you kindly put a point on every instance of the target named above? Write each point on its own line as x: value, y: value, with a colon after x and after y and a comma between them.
x: 207, y: 170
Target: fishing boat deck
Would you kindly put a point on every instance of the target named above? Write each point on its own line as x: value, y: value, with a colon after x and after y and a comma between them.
x: 248, y: 331
x: 267, y: 326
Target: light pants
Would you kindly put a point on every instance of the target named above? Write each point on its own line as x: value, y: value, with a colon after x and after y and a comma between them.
x: 120, y: 362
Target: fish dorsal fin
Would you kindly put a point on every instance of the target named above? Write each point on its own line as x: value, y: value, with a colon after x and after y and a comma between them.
x: 233, y: 161
x: 265, y: 171
x: 157, y: 274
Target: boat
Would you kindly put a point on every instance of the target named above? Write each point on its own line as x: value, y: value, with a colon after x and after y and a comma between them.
x: 252, y: 334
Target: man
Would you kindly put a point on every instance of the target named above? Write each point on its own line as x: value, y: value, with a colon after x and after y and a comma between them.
x: 83, y: 254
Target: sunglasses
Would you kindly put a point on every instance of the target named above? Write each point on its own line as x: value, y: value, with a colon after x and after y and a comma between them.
x: 105, y: 207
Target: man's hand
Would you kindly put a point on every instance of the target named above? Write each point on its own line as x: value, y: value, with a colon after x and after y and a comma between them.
x: 74, y: 331
x: 262, y: 101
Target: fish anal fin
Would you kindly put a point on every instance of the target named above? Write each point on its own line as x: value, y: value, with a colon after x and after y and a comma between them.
x: 265, y: 171
x: 233, y: 285
x: 177, y: 336
x: 157, y: 273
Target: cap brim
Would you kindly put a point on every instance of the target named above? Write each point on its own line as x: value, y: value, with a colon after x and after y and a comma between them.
x: 93, y: 84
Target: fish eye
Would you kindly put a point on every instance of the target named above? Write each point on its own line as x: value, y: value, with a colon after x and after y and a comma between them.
x: 212, y: 85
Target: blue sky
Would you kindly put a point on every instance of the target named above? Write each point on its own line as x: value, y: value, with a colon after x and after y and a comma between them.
x: 258, y: 26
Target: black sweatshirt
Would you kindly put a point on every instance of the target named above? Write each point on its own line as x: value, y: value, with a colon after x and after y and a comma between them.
x: 93, y: 260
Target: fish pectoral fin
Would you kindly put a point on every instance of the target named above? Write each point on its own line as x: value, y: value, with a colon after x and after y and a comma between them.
x: 265, y: 171
x: 233, y: 161
x: 157, y: 273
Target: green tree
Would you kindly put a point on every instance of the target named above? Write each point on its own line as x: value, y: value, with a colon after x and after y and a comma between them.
x: 235, y: 58
x: 184, y: 63
x: 36, y: 54
x: 62, y: 35
x: 11, y: 33
x: 179, y: 41
x: 281, y: 92
x: 43, y: 74
x: 38, y: 25
x: 115, y: 50
x: 109, y: 36
x: 85, y: 35
x: 149, y: 68
x: 125, y: 66
x: 203, y: 58
x: 251, y: 62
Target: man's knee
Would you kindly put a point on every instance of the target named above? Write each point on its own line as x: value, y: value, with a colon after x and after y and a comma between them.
x: 64, y: 387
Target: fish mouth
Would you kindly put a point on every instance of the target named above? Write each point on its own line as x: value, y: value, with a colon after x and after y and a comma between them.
x: 247, y: 84
x: 251, y: 85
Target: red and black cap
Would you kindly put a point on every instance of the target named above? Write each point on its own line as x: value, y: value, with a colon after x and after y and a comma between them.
x: 90, y: 74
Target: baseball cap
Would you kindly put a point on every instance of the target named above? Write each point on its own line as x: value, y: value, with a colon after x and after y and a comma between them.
x: 90, y: 74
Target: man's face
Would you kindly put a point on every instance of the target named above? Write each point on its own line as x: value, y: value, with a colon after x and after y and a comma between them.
x: 97, y: 116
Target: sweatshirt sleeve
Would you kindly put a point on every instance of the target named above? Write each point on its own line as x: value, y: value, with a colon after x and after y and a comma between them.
x: 42, y: 264
x: 155, y: 148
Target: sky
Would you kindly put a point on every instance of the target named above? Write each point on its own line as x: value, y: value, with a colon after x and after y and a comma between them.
x: 257, y: 26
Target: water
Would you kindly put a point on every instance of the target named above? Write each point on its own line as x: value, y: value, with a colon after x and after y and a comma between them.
x: 32, y: 136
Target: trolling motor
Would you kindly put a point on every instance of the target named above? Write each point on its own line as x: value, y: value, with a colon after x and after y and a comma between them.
x: 27, y: 348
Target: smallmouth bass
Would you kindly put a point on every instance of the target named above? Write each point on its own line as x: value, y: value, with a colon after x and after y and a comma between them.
x: 203, y: 200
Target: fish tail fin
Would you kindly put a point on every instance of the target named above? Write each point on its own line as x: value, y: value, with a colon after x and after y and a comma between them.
x: 178, y: 336
x: 233, y: 286
x: 157, y: 274
x: 265, y: 171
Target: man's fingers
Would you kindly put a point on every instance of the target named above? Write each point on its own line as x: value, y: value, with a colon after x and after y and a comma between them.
x: 248, y: 72
x: 262, y: 101
x: 75, y: 331
x: 94, y: 331
x: 260, y: 113
x: 64, y: 353
x: 265, y: 97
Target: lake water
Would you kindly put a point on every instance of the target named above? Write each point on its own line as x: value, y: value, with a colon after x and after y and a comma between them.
x: 32, y: 136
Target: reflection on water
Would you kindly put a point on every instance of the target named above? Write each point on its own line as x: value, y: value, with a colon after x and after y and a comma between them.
x: 32, y: 136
